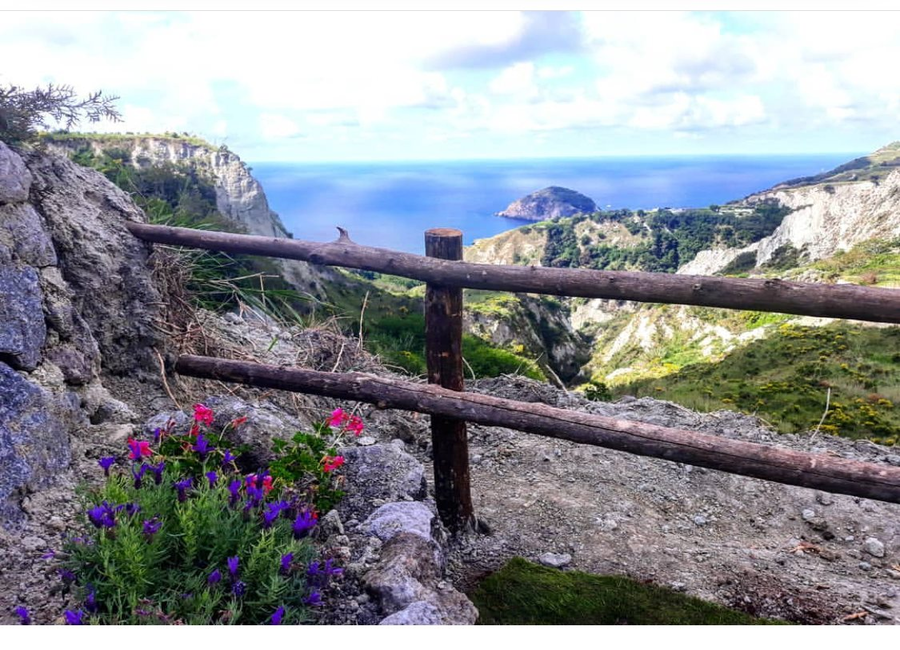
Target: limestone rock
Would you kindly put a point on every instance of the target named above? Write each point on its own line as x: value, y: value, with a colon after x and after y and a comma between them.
x: 392, y: 519
x: 418, y: 613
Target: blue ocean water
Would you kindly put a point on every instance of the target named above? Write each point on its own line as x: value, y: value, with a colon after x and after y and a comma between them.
x: 391, y: 204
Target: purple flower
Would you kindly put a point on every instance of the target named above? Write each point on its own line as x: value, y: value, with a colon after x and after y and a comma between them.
x: 158, y: 471
x: 201, y: 446
x: 183, y: 486
x: 23, y: 614
x: 131, y: 509
x: 106, y: 462
x: 214, y: 577
x: 74, y: 618
x: 254, y: 496
x: 212, y: 477
x: 277, y: 616
x: 228, y: 458
x: 139, y: 474
x: 66, y: 576
x: 49, y: 555
x: 314, y: 598
x: 304, y: 523
x: 90, y: 603
x: 157, y: 434
x: 102, y: 516
x: 286, y: 561
x: 151, y: 527
x: 273, y: 511
x: 320, y: 574
x: 239, y: 588
x: 233, y: 565
x: 235, y: 488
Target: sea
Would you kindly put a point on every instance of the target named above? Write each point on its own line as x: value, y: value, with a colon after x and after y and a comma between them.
x: 392, y: 204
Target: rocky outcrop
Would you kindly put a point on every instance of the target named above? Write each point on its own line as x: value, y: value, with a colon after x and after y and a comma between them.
x: 548, y: 203
x: 76, y: 302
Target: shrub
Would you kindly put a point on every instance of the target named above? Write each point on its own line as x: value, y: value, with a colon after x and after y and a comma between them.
x: 180, y: 536
x: 23, y: 112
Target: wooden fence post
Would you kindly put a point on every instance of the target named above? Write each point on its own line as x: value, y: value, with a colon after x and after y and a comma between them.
x: 443, y: 353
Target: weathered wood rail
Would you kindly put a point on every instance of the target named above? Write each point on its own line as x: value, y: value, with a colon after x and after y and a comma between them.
x: 801, y: 298
x: 881, y: 482
x: 450, y: 407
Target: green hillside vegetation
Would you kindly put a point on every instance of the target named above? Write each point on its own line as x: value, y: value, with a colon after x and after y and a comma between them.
x: 873, y: 167
x: 111, y: 138
x: 785, y: 378
x: 667, y: 238
x: 522, y: 593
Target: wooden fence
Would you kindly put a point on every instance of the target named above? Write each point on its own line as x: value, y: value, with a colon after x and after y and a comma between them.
x: 450, y: 407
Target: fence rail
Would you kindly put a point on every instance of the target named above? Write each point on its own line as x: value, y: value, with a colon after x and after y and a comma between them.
x: 801, y: 298
x: 450, y: 407
x: 881, y: 482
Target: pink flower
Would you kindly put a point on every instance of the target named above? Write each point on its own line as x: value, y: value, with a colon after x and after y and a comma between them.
x: 139, y: 449
x: 332, y: 462
x: 203, y: 415
x: 356, y: 425
x: 338, y: 418
x: 266, y: 483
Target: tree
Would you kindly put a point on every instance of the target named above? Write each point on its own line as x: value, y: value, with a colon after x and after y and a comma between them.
x: 24, y: 112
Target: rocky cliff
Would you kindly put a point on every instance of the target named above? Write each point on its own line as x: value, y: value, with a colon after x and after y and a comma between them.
x: 239, y: 196
x: 548, y: 203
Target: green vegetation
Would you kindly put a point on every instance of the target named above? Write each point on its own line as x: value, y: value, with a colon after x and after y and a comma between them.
x: 873, y: 167
x: 183, y: 196
x: 123, y: 138
x: 24, y: 112
x: 668, y: 238
x: 785, y: 380
x: 400, y: 340
x: 522, y: 593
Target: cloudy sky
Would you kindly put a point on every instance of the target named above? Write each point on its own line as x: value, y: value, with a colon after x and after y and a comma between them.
x: 354, y: 85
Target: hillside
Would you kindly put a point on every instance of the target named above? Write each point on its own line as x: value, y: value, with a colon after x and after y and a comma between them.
x: 819, y: 230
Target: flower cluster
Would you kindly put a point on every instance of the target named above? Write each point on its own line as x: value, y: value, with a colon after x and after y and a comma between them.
x: 340, y: 420
x: 181, y: 505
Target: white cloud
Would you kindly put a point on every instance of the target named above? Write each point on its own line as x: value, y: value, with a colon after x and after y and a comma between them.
x: 277, y: 127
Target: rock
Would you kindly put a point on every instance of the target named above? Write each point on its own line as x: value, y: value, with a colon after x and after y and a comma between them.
x: 865, y: 566
x: 379, y: 472
x: 22, y: 328
x: 418, y: 613
x: 893, y: 459
x: 33, y: 543
x: 104, y: 276
x: 824, y: 498
x: 699, y: 520
x: 874, y: 547
x: 366, y: 441
x: 393, y: 519
x: 330, y: 524
x: 262, y: 426
x: 74, y: 364
x: 34, y: 440
x: 555, y: 560
x: 22, y: 232
x: 15, y: 179
x: 548, y: 203
x: 808, y: 514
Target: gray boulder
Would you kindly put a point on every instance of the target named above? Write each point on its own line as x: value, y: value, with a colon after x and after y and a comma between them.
x: 15, y: 181
x: 380, y: 474
x: 22, y: 329
x: 34, y: 440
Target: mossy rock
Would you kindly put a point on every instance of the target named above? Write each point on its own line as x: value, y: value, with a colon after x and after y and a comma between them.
x: 522, y: 593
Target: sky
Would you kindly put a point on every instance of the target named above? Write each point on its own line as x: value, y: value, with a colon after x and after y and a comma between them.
x: 312, y: 86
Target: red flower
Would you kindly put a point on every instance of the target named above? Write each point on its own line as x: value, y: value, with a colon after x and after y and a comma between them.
x: 338, y: 418
x: 203, y: 415
x: 266, y: 483
x: 356, y: 425
x: 235, y: 423
x: 139, y: 449
x: 332, y: 462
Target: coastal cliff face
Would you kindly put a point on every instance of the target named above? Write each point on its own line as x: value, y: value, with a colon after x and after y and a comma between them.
x: 825, y: 219
x: 239, y: 196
